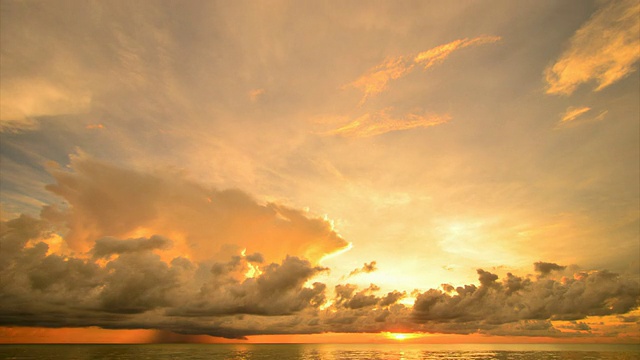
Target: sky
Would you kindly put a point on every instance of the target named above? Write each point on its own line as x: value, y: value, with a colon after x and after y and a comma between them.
x: 328, y: 171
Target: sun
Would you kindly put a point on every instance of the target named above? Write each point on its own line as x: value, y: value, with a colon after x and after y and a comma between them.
x: 400, y: 336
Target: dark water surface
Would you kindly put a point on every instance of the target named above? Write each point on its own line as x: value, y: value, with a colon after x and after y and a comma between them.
x: 320, y: 352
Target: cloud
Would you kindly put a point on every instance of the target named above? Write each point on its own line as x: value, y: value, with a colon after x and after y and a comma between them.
x: 366, y: 268
x: 575, y: 115
x: 143, y: 282
x: 108, y: 246
x: 518, y: 299
x: 95, y: 127
x: 572, y: 113
x: 373, y: 124
x: 375, y: 80
x: 278, y: 290
x: 24, y: 100
x: 255, y: 94
x: 576, y: 325
x: 104, y: 200
x: 604, y: 50
x: 545, y: 268
x: 438, y: 54
x: 136, y: 288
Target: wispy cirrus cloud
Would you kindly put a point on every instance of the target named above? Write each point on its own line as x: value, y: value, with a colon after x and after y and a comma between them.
x: 438, y: 54
x: 381, y: 122
x: 376, y: 79
x: 573, y: 112
x: 604, y: 50
x: 575, y: 115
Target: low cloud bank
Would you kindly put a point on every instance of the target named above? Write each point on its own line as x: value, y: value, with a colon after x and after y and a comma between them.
x: 112, y: 259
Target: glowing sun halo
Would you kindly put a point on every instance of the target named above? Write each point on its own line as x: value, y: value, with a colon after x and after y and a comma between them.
x: 400, y: 336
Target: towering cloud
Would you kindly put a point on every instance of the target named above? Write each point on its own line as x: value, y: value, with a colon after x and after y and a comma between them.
x: 107, y: 201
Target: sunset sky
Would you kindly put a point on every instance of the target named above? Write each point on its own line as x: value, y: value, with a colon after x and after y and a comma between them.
x: 456, y: 171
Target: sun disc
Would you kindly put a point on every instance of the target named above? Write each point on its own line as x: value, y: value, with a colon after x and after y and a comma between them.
x: 400, y: 336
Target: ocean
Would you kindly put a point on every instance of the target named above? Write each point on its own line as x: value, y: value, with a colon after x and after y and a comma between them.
x: 320, y: 351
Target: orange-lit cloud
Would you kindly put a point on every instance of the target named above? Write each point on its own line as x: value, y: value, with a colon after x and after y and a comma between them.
x: 604, y: 50
x: 382, y: 122
x: 202, y: 223
x: 127, y: 285
x: 576, y: 115
x: 376, y: 79
x: 95, y: 127
x: 438, y: 54
x: 203, y: 211
x: 573, y: 112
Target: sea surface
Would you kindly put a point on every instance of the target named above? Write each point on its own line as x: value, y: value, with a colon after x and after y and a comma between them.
x: 320, y: 351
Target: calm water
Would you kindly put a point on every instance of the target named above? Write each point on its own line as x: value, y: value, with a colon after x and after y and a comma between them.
x: 319, y: 352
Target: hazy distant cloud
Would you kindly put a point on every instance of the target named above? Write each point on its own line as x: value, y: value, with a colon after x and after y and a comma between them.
x: 373, y: 124
x: 95, y: 127
x: 366, y: 268
x: 604, y: 49
x: 255, y: 94
x: 376, y: 79
x: 23, y: 101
